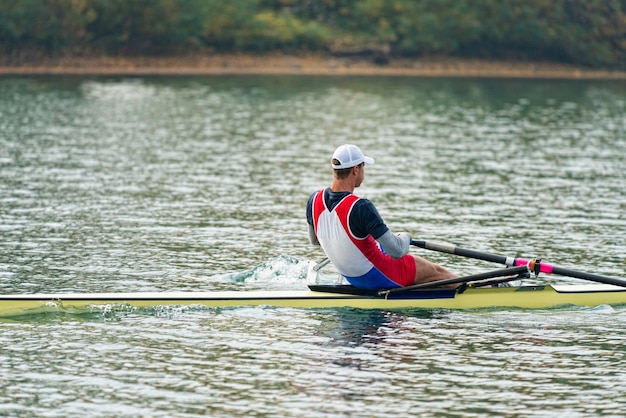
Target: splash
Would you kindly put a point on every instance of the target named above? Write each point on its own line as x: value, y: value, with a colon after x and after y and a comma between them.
x: 323, y: 273
x: 278, y: 272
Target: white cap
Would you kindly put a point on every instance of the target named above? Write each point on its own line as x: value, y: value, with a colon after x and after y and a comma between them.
x: 348, y: 156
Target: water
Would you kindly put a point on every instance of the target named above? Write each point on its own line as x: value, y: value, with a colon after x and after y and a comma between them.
x: 142, y: 184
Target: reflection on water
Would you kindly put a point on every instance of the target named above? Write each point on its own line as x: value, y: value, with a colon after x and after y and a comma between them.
x: 140, y: 184
x: 280, y: 361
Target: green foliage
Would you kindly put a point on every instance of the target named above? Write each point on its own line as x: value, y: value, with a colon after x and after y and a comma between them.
x: 581, y: 31
x: 146, y: 26
x: 228, y: 24
x: 42, y: 24
x: 588, y: 32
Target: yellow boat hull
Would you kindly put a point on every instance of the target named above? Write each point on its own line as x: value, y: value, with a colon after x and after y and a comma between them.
x: 525, y: 297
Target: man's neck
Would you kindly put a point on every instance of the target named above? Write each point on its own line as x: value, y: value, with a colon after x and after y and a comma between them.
x: 342, y: 185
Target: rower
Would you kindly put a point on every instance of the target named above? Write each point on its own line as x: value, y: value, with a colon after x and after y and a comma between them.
x: 354, y: 236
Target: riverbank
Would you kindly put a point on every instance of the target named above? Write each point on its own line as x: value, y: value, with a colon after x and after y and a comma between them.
x: 224, y: 64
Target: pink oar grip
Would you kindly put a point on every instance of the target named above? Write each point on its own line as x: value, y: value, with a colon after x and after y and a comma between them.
x: 543, y: 267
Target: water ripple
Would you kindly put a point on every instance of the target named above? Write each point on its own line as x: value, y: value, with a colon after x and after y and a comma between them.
x: 140, y: 184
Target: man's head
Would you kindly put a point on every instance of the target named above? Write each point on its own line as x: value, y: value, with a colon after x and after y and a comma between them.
x: 346, y: 158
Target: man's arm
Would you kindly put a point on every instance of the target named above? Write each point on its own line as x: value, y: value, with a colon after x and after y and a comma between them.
x: 309, y: 219
x: 365, y: 220
x: 312, y: 236
x: 395, y: 245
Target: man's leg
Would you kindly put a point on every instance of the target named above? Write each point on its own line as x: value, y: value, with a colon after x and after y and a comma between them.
x: 427, y: 271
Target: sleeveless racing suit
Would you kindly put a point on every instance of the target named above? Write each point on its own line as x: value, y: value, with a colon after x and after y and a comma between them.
x: 360, y: 260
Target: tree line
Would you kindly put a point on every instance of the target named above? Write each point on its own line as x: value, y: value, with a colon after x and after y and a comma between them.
x: 583, y: 32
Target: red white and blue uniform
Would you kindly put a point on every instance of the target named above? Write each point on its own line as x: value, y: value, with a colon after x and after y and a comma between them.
x: 347, y: 228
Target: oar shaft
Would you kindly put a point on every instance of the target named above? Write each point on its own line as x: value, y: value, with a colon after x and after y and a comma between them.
x: 509, y: 261
x: 452, y: 249
x: 586, y: 276
x: 321, y: 264
x: 464, y: 279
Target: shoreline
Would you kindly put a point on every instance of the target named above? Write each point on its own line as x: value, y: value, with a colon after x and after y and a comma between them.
x: 320, y: 65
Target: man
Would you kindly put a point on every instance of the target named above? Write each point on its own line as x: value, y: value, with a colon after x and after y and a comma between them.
x: 354, y: 236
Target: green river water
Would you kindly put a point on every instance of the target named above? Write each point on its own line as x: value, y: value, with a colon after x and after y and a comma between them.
x: 112, y: 184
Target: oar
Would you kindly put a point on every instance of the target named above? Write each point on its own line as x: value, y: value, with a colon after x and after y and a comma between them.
x: 515, y: 271
x: 535, y: 266
x: 321, y: 264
